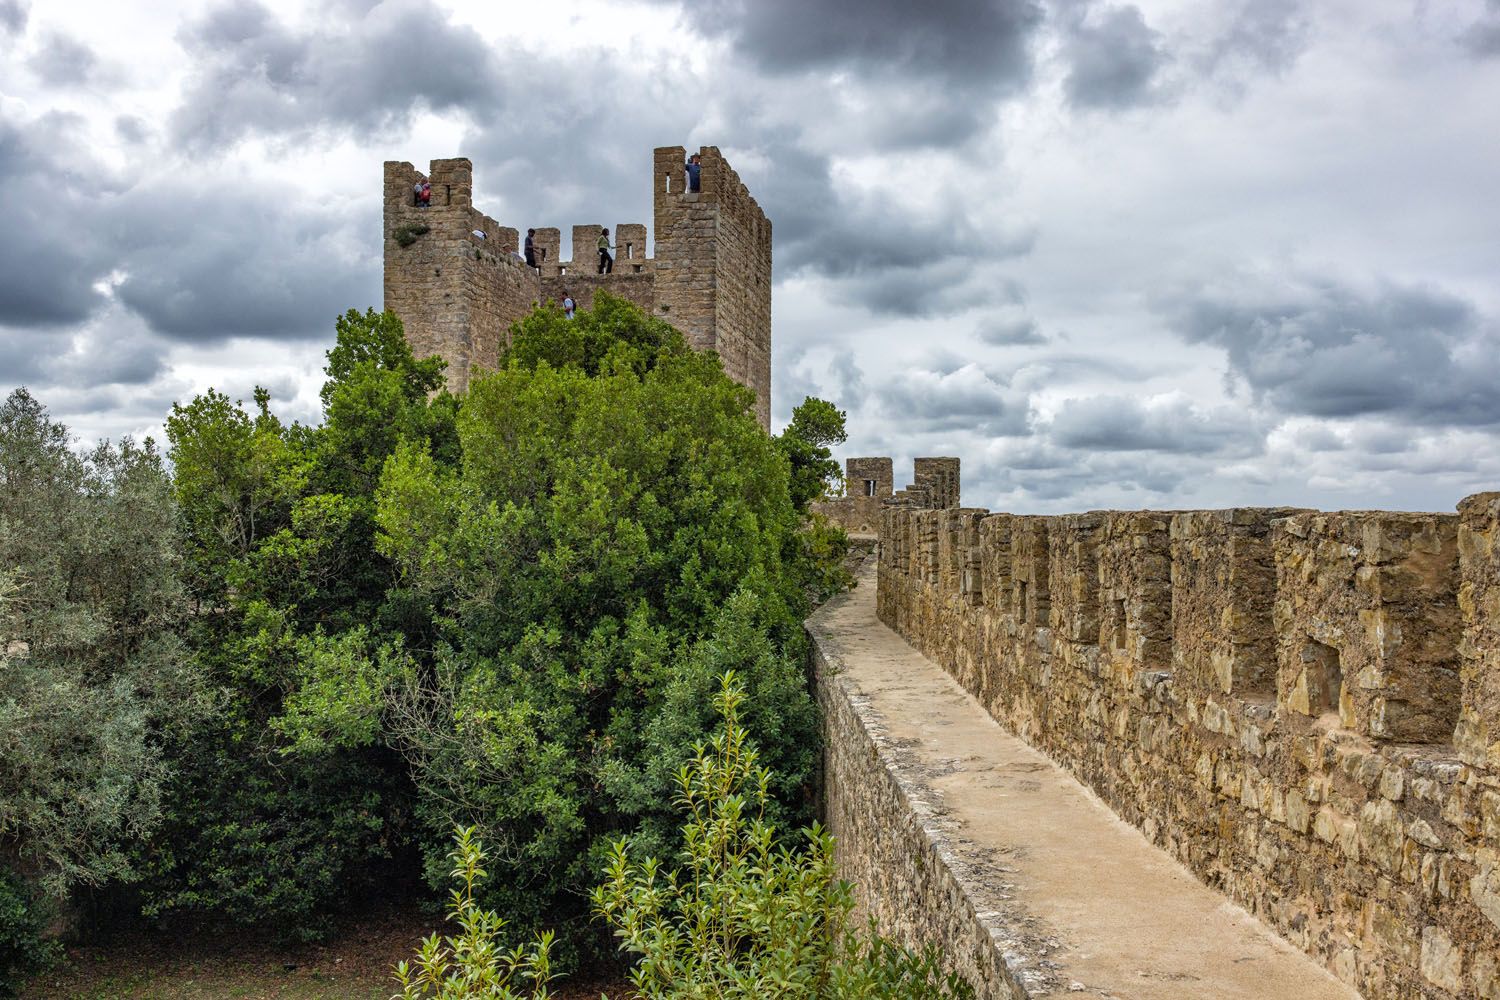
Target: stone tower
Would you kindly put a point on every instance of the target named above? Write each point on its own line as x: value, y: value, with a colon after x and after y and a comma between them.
x: 457, y: 280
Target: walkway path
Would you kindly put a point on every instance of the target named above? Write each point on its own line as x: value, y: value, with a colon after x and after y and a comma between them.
x: 1084, y: 904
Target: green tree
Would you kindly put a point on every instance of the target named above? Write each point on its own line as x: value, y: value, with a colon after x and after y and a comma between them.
x: 816, y: 425
x: 285, y: 802
x: 743, y: 916
x: 616, y: 534
x: 92, y: 673
x: 93, y: 676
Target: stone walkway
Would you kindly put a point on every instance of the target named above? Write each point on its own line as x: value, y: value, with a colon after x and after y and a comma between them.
x: 1075, y: 901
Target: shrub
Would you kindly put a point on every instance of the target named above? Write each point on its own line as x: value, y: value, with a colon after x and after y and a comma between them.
x: 406, y: 234
x: 470, y: 964
x: 743, y: 917
x: 93, y: 677
x: 23, y: 952
x: 616, y: 533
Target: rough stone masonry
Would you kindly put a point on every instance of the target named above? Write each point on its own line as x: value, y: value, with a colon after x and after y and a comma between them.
x: 455, y: 277
x: 1302, y: 707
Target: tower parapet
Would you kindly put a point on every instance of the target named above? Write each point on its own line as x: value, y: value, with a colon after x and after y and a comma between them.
x: 458, y: 282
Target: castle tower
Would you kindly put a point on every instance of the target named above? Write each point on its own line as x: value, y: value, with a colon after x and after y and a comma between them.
x: 457, y: 281
x: 713, y: 266
x: 450, y: 271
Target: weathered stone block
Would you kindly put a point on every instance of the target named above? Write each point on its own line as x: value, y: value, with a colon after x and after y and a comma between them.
x: 1135, y: 591
x: 1031, y: 600
x: 868, y: 477
x: 1367, y: 622
x: 995, y: 565
x: 1074, y: 575
x: 1478, y: 732
x: 1223, y: 595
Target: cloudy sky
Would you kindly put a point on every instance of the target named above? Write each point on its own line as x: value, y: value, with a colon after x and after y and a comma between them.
x: 1175, y: 253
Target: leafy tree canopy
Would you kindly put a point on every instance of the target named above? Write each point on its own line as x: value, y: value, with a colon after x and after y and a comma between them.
x: 92, y: 673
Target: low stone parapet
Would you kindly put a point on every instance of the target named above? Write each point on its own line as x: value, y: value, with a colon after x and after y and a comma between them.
x: 959, y: 835
x: 1302, y: 707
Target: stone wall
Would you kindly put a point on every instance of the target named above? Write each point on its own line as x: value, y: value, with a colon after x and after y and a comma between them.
x: 458, y: 293
x: 868, y: 477
x: 858, y: 513
x: 1299, y: 706
x: 890, y: 840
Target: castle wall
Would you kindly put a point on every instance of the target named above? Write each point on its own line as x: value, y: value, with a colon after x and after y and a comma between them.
x: 859, y: 514
x: 860, y: 471
x: 686, y: 225
x: 458, y: 294
x: 742, y: 280
x: 1270, y: 695
x: 638, y: 288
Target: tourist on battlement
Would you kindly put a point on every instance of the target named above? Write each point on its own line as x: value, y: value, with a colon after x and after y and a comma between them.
x: 422, y: 194
x: 569, y: 306
x: 531, y: 248
x: 694, y: 172
x: 606, y: 262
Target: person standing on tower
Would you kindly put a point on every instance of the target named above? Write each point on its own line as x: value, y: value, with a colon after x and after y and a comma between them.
x: 695, y: 173
x: 606, y: 262
x: 531, y: 248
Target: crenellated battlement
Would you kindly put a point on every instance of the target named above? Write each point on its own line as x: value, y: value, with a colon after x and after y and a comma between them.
x: 1302, y: 706
x: 458, y: 292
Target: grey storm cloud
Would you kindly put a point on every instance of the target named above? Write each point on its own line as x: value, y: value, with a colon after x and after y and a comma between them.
x: 879, y: 254
x: 51, y: 258
x: 62, y: 61
x: 1003, y: 331
x: 137, y: 363
x: 1114, y: 57
x: 223, y: 261
x: 366, y: 74
x: 1124, y: 423
x: 968, y: 398
x: 13, y: 16
x: 1265, y: 35
x: 132, y: 129
x: 21, y: 355
x: 1324, y: 348
x: 936, y: 69
x: 1034, y: 473
x: 947, y: 41
x: 116, y: 349
x: 1482, y: 38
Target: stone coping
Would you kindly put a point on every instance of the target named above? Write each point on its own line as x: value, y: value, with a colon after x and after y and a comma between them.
x: 1068, y: 899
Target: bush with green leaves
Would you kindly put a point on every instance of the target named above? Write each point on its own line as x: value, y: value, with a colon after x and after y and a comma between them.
x: 263, y: 823
x: 743, y: 915
x: 93, y: 675
x: 504, y: 611
x: 470, y: 963
x: 617, y: 532
x: 24, y: 950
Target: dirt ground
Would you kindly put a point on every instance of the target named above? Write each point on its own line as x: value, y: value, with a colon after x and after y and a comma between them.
x: 355, y: 965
